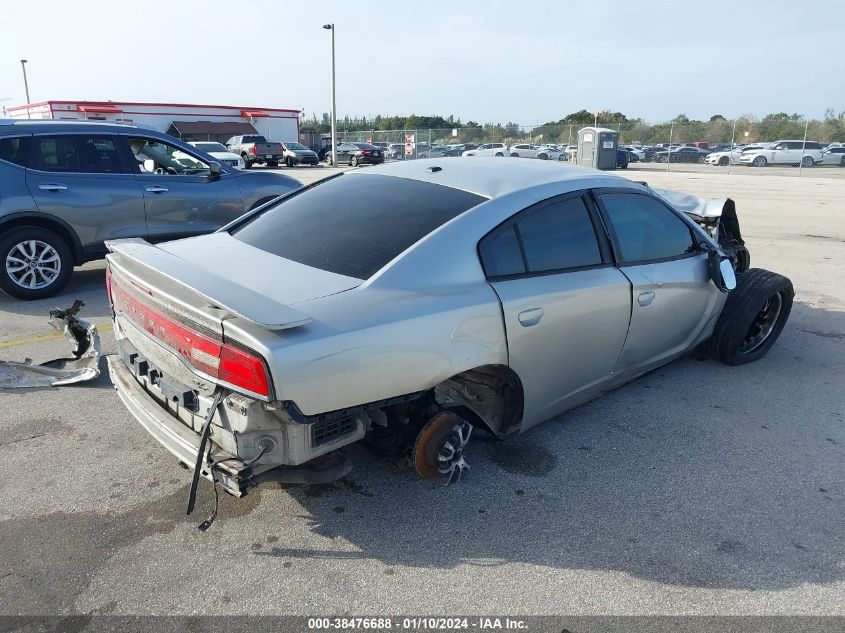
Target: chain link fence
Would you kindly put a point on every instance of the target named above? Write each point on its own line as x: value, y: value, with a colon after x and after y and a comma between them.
x: 779, y: 144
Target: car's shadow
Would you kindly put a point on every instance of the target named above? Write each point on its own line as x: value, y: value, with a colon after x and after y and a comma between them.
x: 740, y: 486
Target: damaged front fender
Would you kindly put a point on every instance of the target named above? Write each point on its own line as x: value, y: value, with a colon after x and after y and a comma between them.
x: 84, y: 365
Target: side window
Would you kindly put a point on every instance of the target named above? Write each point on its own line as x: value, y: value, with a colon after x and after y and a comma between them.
x: 645, y: 229
x: 559, y: 235
x: 156, y: 157
x: 98, y: 155
x: 13, y: 150
x: 55, y: 153
x: 552, y: 236
x: 501, y: 254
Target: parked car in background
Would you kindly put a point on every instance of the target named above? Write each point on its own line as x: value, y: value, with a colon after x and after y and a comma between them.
x: 525, y: 150
x: 685, y: 154
x: 297, y: 154
x: 723, y: 158
x: 638, y: 154
x: 788, y: 152
x: 833, y: 156
x: 395, y: 151
x: 219, y: 152
x: 67, y: 186
x: 457, y: 150
x: 355, y: 154
x: 500, y: 295
x: 623, y: 158
x: 488, y: 149
x: 254, y: 149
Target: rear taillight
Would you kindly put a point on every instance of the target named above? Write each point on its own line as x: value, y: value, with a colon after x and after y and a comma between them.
x: 253, y: 150
x: 366, y: 152
x: 241, y: 368
x: 108, y: 284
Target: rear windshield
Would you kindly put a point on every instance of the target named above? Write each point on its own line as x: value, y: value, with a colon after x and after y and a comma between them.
x: 254, y: 139
x: 354, y: 225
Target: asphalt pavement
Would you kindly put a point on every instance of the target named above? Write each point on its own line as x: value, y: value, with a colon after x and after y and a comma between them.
x: 698, y: 489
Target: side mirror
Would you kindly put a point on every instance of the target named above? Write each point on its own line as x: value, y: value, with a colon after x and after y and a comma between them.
x: 721, y: 271
x: 214, y: 169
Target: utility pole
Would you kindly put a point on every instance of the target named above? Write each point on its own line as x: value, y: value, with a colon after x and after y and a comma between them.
x: 330, y: 27
x: 25, y: 86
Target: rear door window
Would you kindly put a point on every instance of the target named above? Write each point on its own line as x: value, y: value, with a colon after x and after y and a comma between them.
x: 354, y: 225
x: 556, y: 235
x: 76, y: 154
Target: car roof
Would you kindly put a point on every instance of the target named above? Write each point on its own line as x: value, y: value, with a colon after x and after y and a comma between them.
x: 16, y: 127
x: 493, y: 177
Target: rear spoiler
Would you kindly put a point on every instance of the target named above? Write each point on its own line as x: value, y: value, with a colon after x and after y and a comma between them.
x: 218, y: 292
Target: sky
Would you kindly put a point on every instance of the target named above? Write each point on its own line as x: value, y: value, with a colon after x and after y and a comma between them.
x: 494, y: 61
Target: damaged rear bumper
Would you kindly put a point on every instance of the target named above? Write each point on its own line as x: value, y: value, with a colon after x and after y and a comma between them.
x: 230, y: 473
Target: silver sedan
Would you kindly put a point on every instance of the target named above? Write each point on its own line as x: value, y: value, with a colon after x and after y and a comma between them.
x: 410, y: 305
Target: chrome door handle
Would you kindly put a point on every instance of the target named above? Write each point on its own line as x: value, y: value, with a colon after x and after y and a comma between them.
x: 645, y: 299
x: 530, y: 317
x: 156, y: 189
x: 52, y: 186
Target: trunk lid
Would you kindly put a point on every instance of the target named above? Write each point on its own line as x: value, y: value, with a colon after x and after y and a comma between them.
x: 216, y: 277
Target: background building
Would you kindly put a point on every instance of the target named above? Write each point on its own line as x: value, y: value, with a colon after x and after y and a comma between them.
x: 186, y: 121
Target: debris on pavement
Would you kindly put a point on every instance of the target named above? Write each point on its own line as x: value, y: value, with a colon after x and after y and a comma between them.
x: 84, y: 365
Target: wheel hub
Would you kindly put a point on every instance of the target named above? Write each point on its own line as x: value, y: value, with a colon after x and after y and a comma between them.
x: 439, y: 449
x: 33, y: 264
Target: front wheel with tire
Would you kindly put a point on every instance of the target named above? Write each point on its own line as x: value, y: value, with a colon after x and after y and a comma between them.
x: 37, y: 263
x: 760, y: 161
x: 723, y: 161
x: 353, y: 161
x: 753, y: 317
x: 514, y: 155
x: 807, y: 161
x: 499, y: 154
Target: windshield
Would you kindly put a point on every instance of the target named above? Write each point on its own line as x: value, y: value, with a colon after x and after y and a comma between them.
x: 295, y: 146
x: 354, y: 225
x: 210, y: 147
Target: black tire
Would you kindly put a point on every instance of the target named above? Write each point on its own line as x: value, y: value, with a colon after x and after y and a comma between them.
x: 289, y: 161
x: 752, y: 318
x: 760, y: 161
x: 499, y: 154
x: 22, y: 234
x: 723, y: 161
x: 623, y: 166
x: 808, y: 161
x: 543, y: 157
x: 353, y: 162
x: 247, y: 162
x: 271, y: 164
x: 514, y: 155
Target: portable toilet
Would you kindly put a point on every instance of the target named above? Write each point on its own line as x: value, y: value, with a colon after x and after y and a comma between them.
x: 597, y: 147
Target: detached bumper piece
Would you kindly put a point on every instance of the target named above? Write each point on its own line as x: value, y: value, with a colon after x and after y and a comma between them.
x: 84, y: 365
x: 232, y: 474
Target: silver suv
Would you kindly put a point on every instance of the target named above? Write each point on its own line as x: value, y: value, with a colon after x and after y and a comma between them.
x: 66, y: 187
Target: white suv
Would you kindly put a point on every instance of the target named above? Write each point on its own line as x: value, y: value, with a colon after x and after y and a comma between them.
x: 784, y: 153
x: 488, y: 149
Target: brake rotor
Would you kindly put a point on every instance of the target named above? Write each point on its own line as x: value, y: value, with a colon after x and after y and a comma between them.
x: 439, y: 449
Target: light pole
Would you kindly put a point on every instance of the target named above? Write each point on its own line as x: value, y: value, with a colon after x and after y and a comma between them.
x: 25, y: 85
x: 330, y: 27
